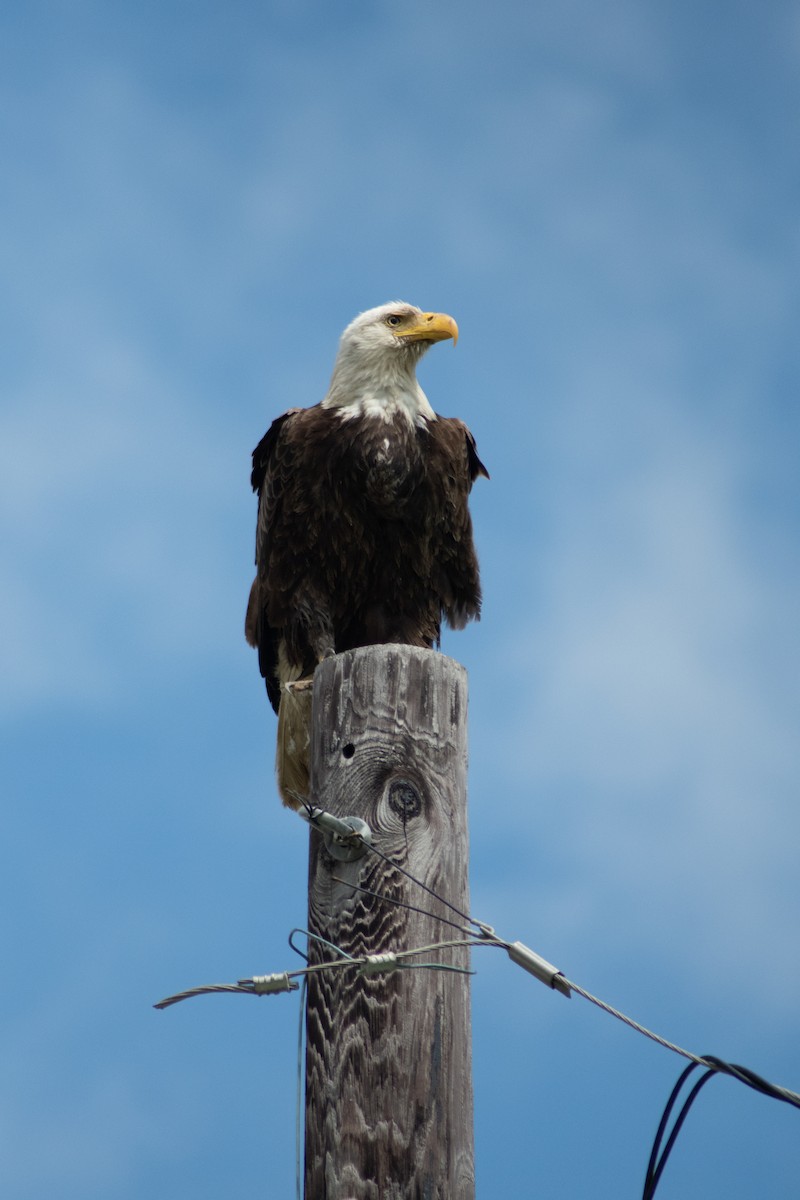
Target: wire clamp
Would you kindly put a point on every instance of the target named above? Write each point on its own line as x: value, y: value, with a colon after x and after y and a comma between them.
x: 539, y: 967
x: 267, y: 985
x: 373, y: 964
x: 346, y: 838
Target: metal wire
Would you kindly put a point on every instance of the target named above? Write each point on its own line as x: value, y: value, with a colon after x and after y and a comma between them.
x: 316, y: 937
x: 299, y: 1139
x: 393, y: 863
x: 486, y: 936
x: 423, y: 912
x: 614, y: 1012
x: 743, y: 1074
x: 206, y: 990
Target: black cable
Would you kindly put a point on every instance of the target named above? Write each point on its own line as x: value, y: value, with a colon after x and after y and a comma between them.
x: 716, y: 1066
x: 657, y: 1163
x: 757, y: 1082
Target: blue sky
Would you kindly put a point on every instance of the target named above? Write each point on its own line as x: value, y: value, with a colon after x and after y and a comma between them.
x: 196, y: 199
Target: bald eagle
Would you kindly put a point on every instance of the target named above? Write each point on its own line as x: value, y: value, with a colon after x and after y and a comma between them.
x: 363, y: 534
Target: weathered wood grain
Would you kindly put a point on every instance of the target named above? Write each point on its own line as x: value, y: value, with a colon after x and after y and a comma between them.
x: 388, y: 1059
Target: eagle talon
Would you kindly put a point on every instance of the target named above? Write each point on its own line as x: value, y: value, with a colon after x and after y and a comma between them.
x: 299, y: 685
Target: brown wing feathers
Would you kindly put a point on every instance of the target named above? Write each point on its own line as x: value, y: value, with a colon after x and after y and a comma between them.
x: 328, y: 553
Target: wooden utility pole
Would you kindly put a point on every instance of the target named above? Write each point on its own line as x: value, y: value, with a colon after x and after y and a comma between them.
x: 388, y: 1058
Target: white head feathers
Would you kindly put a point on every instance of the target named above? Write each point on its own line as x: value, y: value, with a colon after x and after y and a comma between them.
x: 375, y: 369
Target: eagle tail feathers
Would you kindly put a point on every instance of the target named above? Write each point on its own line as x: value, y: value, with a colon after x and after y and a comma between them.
x: 293, y: 753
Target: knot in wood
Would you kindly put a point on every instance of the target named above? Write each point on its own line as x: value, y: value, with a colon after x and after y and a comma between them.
x: 404, y: 799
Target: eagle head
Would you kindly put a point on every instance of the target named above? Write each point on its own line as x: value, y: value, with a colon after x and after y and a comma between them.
x: 397, y: 327
x: 375, y: 369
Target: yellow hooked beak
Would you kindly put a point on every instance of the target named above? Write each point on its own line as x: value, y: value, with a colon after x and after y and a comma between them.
x: 430, y: 327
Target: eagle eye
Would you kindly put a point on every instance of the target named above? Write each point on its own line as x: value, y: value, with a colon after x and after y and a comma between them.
x: 393, y: 320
